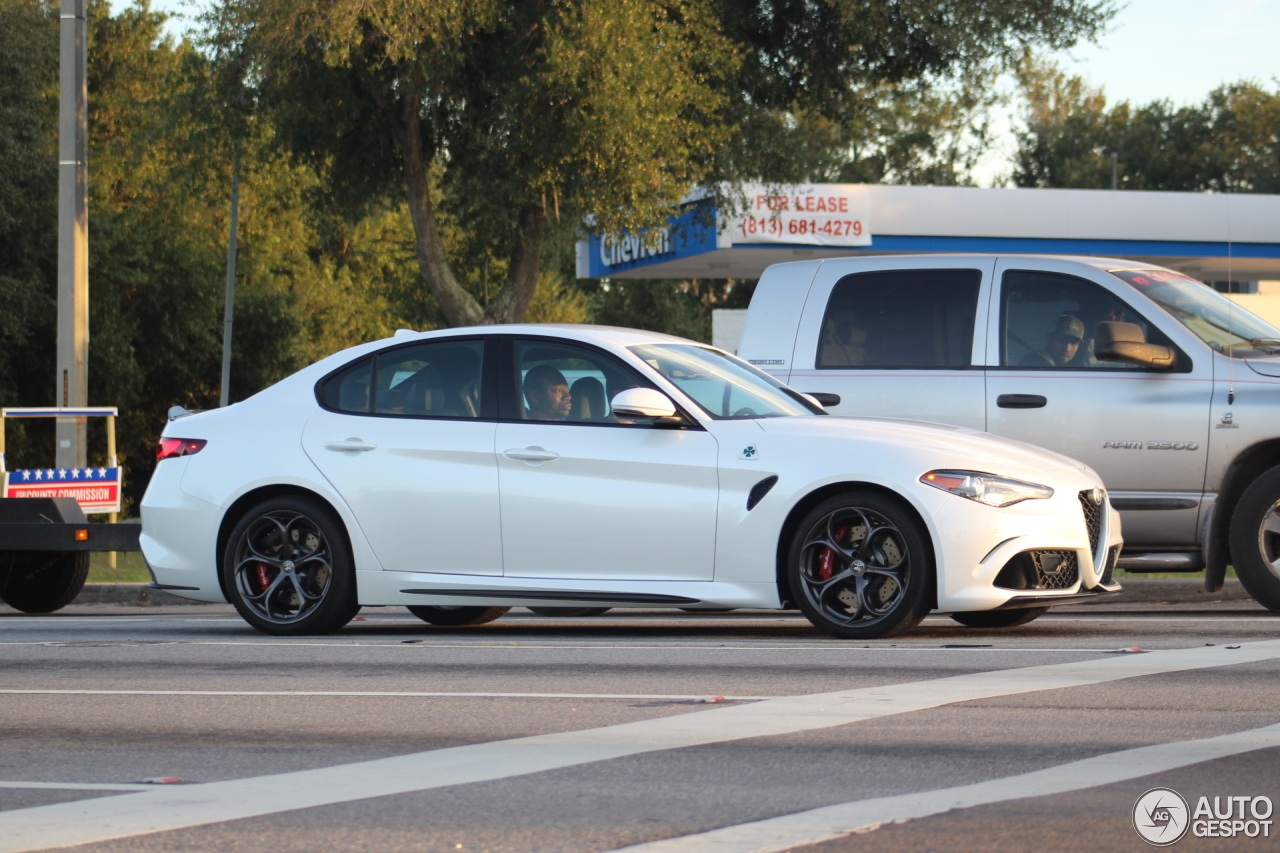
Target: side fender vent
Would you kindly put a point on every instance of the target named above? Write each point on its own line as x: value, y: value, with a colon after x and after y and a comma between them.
x: 759, y: 490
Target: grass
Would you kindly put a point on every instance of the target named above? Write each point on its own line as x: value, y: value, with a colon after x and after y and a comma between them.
x: 129, y: 568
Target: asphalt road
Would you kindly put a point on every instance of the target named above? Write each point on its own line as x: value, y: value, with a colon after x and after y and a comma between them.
x: 660, y: 731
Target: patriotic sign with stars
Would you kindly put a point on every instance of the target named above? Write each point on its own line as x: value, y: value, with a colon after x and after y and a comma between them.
x: 96, y: 489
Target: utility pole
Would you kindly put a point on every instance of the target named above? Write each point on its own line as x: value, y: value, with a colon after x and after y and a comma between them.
x: 1115, y: 170
x: 73, y: 236
x: 228, y: 311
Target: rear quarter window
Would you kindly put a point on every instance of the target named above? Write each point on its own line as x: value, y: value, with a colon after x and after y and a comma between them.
x: 900, y: 318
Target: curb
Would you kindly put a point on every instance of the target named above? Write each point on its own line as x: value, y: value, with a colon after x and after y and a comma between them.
x: 1136, y: 591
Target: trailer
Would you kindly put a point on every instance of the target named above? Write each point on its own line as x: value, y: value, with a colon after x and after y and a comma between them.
x: 45, y: 537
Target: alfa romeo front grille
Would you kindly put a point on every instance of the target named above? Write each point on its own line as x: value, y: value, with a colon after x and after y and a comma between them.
x: 1092, y: 519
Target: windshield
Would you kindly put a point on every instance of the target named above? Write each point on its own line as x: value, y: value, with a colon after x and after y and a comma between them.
x: 723, y: 386
x: 1214, y: 318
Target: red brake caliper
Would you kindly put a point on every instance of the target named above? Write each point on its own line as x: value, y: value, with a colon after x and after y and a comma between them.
x: 827, y: 560
x: 264, y: 580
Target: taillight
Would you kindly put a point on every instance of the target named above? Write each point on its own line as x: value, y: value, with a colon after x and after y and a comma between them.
x: 171, y: 447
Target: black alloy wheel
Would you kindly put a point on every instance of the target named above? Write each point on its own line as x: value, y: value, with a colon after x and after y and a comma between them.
x: 288, y: 568
x: 861, y: 568
x: 1255, y: 539
x: 456, y: 617
x: 999, y: 618
x: 42, y: 581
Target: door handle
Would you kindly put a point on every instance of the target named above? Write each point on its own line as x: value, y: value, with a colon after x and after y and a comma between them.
x: 356, y: 445
x: 1021, y: 401
x: 531, y: 454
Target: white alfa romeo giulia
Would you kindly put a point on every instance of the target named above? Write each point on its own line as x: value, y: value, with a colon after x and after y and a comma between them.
x: 468, y: 471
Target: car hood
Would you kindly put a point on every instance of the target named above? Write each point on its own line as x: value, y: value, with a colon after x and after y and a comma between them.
x: 979, y: 448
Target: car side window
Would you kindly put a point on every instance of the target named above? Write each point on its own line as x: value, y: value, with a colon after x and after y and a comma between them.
x: 1050, y: 320
x: 568, y: 383
x: 900, y: 318
x: 441, y: 379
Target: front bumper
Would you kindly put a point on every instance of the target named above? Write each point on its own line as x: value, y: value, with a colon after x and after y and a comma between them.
x: 978, y: 544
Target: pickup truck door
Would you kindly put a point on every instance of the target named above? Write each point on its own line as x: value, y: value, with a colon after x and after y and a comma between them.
x: 894, y: 338
x: 1144, y: 431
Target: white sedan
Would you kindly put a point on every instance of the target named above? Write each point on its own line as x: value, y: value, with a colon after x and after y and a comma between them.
x: 467, y: 471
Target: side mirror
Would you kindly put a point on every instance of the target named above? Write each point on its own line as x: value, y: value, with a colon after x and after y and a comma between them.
x: 822, y: 398
x: 1125, y: 342
x: 642, y: 403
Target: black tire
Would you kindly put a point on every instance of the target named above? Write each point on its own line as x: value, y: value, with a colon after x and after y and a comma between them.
x: 42, y: 581
x: 708, y: 609
x: 861, y: 568
x: 999, y: 618
x: 288, y: 569
x: 456, y: 617
x: 1255, y: 539
x: 570, y: 611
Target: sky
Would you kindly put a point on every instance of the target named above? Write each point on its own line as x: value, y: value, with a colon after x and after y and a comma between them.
x: 1153, y: 49
x: 1178, y: 50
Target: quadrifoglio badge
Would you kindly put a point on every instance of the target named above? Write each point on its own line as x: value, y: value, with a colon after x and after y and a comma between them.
x: 1162, y: 817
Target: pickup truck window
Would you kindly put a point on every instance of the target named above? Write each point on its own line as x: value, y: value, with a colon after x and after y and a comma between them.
x: 1049, y: 320
x: 1213, y: 318
x: 900, y: 318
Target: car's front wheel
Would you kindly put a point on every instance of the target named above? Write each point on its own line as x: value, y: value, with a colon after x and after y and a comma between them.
x: 860, y: 567
x: 288, y: 569
x: 999, y: 618
x: 1255, y: 539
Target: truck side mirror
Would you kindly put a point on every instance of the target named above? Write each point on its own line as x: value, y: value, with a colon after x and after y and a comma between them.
x: 1125, y: 342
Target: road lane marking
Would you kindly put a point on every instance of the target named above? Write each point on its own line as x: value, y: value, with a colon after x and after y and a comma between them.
x: 104, y: 818
x: 79, y: 786
x: 829, y: 822
x: 686, y: 697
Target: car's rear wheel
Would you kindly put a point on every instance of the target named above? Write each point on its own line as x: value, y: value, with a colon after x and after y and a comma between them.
x: 1255, y: 539
x: 999, y: 618
x: 453, y: 617
x: 288, y: 568
x: 42, y: 581
x: 570, y: 611
x: 860, y: 567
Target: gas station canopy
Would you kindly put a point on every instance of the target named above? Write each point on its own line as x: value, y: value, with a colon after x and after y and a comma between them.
x: 1211, y: 237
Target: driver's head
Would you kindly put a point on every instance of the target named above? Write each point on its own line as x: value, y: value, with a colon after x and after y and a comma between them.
x: 548, y: 394
x: 1064, y: 340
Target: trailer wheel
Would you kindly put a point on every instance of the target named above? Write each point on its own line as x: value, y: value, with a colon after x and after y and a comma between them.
x: 42, y: 581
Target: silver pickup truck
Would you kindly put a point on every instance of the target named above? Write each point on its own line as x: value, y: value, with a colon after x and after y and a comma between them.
x: 1158, y: 382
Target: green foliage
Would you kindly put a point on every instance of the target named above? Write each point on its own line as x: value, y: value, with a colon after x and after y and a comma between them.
x: 28, y: 214
x: 1230, y: 142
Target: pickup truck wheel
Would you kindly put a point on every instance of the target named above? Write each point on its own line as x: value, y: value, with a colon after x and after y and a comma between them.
x: 860, y: 568
x: 42, y: 581
x: 999, y: 618
x: 453, y: 617
x: 288, y: 568
x: 1255, y: 539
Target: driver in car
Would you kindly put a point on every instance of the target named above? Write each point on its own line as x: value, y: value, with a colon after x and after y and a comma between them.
x: 1061, y: 344
x: 547, y: 392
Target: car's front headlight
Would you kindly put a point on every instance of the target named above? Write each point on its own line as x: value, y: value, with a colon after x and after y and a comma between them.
x: 986, y: 488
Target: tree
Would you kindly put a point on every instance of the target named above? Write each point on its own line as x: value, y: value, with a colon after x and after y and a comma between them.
x: 28, y: 212
x: 886, y: 90
x: 1230, y: 142
x: 523, y: 111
